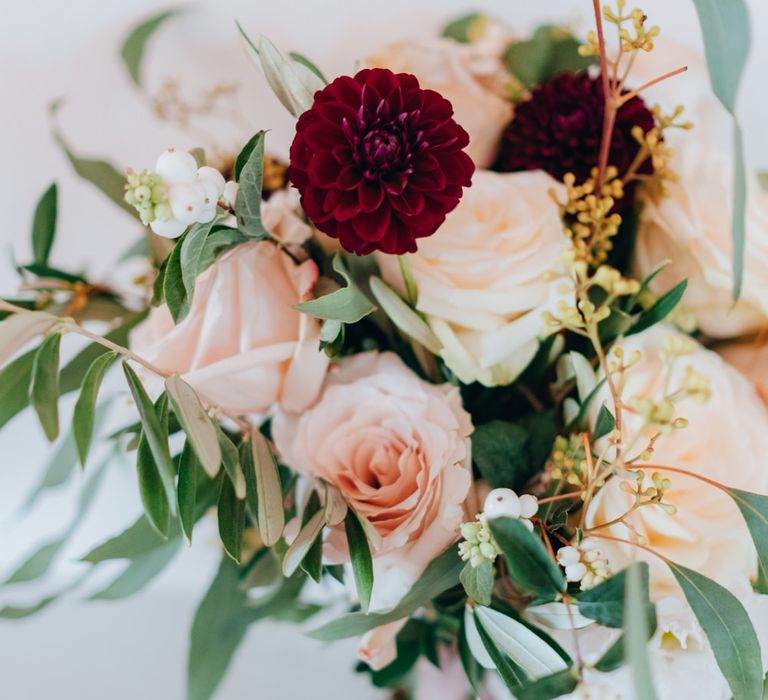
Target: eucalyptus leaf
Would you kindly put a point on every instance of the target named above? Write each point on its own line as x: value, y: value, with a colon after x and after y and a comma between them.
x: 303, y: 543
x: 754, y: 510
x: 404, y: 317
x: 231, y: 517
x: 304, y: 61
x: 463, y: 29
x: 269, y: 498
x: 132, y: 543
x: 84, y: 415
x: 360, y: 557
x: 606, y: 602
x: 174, y: 291
x: 17, y: 330
x: 660, y: 310
x: 44, y: 226
x: 728, y: 629
x: 529, y: 564
x: 230, y: 458
x: 132, y: 50
x: 552, y: 686
x: 156, y: 437
x: 14, y: 386
x: 189, y: 465
x: 312, y: 564
x: 196, y: 423
x: 441, y: 574
x: 513, y: 676
x: 153, y: 496
x: 604, y: 424
x: 289, y: 85
x: 44, y: 391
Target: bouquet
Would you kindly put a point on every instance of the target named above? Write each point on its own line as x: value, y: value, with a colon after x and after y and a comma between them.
x: 472, y: 375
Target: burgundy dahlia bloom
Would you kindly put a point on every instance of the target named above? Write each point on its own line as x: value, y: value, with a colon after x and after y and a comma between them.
x: 379, y: 161
x: 560, y: 127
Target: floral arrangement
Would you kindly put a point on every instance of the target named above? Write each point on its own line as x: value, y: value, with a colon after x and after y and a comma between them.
x: 481, y: 359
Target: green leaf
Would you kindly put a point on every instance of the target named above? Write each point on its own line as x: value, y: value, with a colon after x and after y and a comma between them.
x: 14, y: 386
x: 199, y: 249
x: 347, y: 304
x: 478, y: 581
x: 17, y: 330
x: 553, y: 686
x: 248, y: 200
x: 156, y: 436
x: 304, y: 61
x: 134, y: 542
x: 139, y: 573
x: 174, y: 292
x: 196, y: 423
x: 44, y: 391
x: 729, y: 630
x: 103, y: 175
x: 269, y: 498
x: 500, y: 451
x: 551, y: 50
x: 303, y: 543
x: 230, y: 458
x: 44, y: 226
x: 312, y: 564
x: 153, y: 496
x: 754, y: 510
x: 439, y: 576
x: 529, y: 564
x: 463, y: 29
x: 219, y: 625
x: 509, y: 672
x: 604, y: 424
x: 605, y: 603
x: 473, y: 670
x: 187, y: 489
x: 132, y: 50
x: 83, y: 417
x: 231, y: 517
x: 360, y: 556
x: 404, y: 317
x: 725, y: 29
x: 660, y: 310
x: 637, y: 631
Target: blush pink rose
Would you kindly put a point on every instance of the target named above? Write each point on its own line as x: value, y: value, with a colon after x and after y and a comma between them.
x: 398, y: 449
x: 242, y: 345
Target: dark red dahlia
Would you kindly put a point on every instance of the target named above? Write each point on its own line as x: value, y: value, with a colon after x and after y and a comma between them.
x: 559, y: 129
x: 379, y: 161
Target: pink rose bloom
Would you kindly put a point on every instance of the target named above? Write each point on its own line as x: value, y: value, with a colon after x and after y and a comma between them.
x: 242, y: 345
x: 398, y: 449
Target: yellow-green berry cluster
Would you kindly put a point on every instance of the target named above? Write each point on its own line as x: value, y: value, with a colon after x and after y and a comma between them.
x: 478, y: 545
x: 146, y: 192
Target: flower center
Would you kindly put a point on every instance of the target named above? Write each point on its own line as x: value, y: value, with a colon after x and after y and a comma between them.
x: 382, y: 152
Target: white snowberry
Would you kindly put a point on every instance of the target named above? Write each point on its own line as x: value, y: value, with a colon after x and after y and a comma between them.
x: 177, y: 167
x: 168, y: 228
x: 502, y: 503
x: 230, y: 192
x: 186, y: 203
x: 529, y: 505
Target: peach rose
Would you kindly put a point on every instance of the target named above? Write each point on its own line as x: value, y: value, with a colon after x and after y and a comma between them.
x: 751, y: 359
x: 398, y: 449
x: 726, y: 440
x: 470, y: 76
x: 242, y: 345
x: 482, y: 277
x: 692, y: 226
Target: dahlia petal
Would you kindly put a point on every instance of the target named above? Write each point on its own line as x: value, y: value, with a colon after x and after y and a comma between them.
x: 371, y: 195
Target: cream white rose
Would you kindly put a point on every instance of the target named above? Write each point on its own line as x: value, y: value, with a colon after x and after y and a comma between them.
x: 398, y: 449
x: 470, y: 76
x: 692, y: 226
x: 242, y: 345
x: 482, y: 278
x: 726, y: 440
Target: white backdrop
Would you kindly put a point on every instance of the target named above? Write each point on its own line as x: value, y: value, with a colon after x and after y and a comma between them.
x: 53, y: 48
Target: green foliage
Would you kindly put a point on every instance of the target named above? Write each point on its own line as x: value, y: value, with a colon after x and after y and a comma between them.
x: 604, y: 424
x: 230, y: 458
x: 44, y: 391
x: 44, y: 226
x: 248, y: 200
x: 174, y: 292
x: 132, y: 50
x: 552, y: 686
x: 478, y: 581
x: 189, y: 466
x: 303, y: 543
x: 660, y: 310
x: 551, y: 50
x: 754, y: 510
x: 530, y: 567
x: 729, y: 630
x: 231, y: 517
x: 605, y: 603
x: 14, y: 386
x: 269, y: 494
x: 156, y: 436
x: 312, y: 564
x: 725, y: 29
x: 461, y: 29
x: 85, y: 409
x: 473, y: 670
x: 360, y: 556
x: 513, y: 676
x: 153, y: 496
x: 304, y: 61
x: 348, y: 304
x: 441, y: 574
x: 509, y: 454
